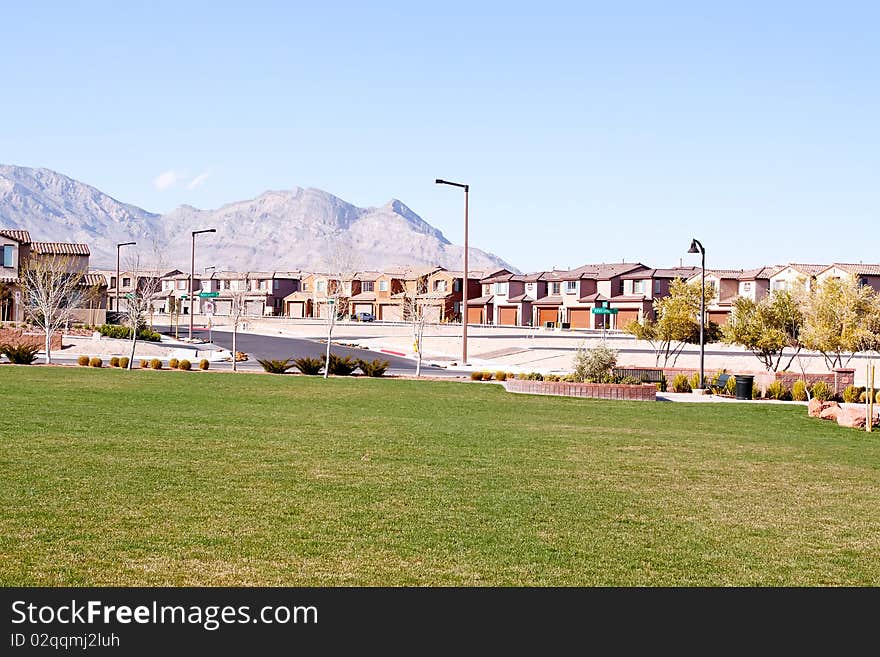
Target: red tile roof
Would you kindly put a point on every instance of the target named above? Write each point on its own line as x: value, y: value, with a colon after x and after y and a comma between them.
x: 21, y: 236
x: 859, y: 269
x: 59, y: 248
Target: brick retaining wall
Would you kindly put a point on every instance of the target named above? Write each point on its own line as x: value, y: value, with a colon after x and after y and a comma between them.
x: 585, y: 390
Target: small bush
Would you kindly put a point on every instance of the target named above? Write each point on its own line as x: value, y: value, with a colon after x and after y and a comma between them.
x: 114, y: 361
x: 778, y: 390
x: 511, y: 375
x: 594, y: 364
x: 694, y: 381
x: 173, y: 363
x: 799, y: 390
x: 204, y: 364
x: 144, y: 363
x: 680, y: 383
x: 123, y: 362
x: 96, y: 362
x: 851, y: 394
x: 822, y: 391
x: 662, y: 383
x: 184, y: 365
x: 156, y: 364
x: 487, y: 376
x: 863, y: 397
x: 535, y: 376
x: 83, y: 361
x: 21, y: 354
x: 521, y: 376
x: 877, y: 398
x: 476, y: 376
x: 552, y: 378
x: 730, y: 386
x: 569, y: 378
x: 341, y: 366
x: 756, y: 392
x: 374, y: 368
x: 501, y: 376
x: 124, y: 333
x: 276, y: 366
x: 309, y: 366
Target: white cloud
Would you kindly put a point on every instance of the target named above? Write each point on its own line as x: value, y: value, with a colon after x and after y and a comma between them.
x: 198, y: 180
x: 165, y: 180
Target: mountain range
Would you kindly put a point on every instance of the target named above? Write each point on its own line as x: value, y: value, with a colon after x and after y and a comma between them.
x: 306, y: 229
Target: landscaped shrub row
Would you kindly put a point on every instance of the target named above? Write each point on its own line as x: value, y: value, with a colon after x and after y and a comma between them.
x: 124, y: 333
x: 338, y: 366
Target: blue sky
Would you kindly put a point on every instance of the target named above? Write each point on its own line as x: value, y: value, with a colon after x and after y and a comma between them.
x: 588, y: 132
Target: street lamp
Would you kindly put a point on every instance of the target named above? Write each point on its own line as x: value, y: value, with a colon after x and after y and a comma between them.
x: 118, y: 246
x: 192, y: 275
x: 697, y: 247
x: 464, y: 279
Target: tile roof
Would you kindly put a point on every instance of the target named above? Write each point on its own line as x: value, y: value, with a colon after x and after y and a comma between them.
x: 298, y: 296
x: 363, y: 296
x: 549, y: 301
x: 92, y: 279
x: 481, y: 301
x: 604, y: 271
x: 673, y: 272
x: 21, y: 236
x: 522, y: 298
x: 620, y: 298
x: 59, y: 248
x: 590, y: 298
x: 860, y: 269
x: 8, y: 279
x: 812, y: 270
x: 761, y: 273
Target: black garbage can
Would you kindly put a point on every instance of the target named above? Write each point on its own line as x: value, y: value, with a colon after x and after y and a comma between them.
x: 744, y: 384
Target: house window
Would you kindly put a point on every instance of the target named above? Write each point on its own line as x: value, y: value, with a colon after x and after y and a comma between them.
x: 305, y: 287
x: 486, y: 289
x: 456, y: 285
x: 500, y: 288
x: 554, y: 288
x: 656, y: 288
x: 321, y: 286
x: 571, y: 287
x: 530, y: 286
x: 367, y: 286
x: 383, y: 286
x: 113, y: 281
x: 440, y: 286
x: 638, y: 287
x: 227, y: 285
x: 126, y: 282
x: 7, y: 255
x: 276, y: 284
x: 747, y: 287
x: 181, y: 285
x: 780, y: 285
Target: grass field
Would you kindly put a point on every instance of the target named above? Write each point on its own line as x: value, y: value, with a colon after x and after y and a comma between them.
x: 171, y: 478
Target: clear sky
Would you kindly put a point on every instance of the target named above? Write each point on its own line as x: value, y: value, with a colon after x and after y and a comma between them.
x: 588, y: 131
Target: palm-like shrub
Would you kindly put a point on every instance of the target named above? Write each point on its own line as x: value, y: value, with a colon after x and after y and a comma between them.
x: 778, y: 391
x: 680, y: 383
x: 20, y: 354
x: 799, y: 390
x: 308, y: 365
x: 374, y: 368
x: 273, y: 366
x: 851, y: 394
x: 341, y: 366
x: 822, y: 391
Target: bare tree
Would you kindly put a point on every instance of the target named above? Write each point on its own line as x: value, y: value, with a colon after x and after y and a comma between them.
x: 52, y: 288
x: 139, y: 302
x: 237, y: 312
x: 341, y: 265
x: 415, y: 315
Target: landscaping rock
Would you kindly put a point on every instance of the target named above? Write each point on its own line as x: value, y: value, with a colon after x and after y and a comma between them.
x: 815, y: 407
x: 830, y: 411
x: 853, y: 418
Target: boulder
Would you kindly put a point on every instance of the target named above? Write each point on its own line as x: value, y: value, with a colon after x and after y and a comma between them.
x: 854, y: 418
x: 830, y: 411
x: 815, y: 407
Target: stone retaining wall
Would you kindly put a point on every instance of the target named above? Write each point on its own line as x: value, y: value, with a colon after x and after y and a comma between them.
x: 646, y: 392
x: 18, y: 336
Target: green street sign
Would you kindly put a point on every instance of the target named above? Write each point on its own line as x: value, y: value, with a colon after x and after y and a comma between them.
x: 183, y: 296
x: 209, y: 295
x: 604, y: 311
x: 129, y: 296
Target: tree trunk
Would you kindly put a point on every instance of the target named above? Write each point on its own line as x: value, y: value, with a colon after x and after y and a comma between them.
x: 134, y: 337
x: 327, y: 357
x: 234, y: 343
x: 48, y: 346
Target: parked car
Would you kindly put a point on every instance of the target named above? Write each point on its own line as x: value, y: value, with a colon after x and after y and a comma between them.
x: 364, y: 317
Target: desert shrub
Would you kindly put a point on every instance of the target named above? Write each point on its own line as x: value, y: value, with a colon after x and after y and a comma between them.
x: 730, y: 386
x: 662, y: 383
x: 204, y: 364
x: 799, y: 390
x: 501, y: 376
x: 123, y: 362
x: 341, y: 366
x: 184, y: 365
x: 851, y: 394
x: 863, y: 397
x: 822, y: 391
x: 877, y: 398
x: 83, y: 361
x: 594, y: 364
x: 307, y: 365
x: 114, y: 361
x: 375, y: 368
x: 173, y: 363
x: 20, y: 354
x: 680, y: 383
x: 144, y: 363
x: 777, y: 390
x: 694, y: 381
x: 553, y: 378
x: 569, y: 378
x: 521, y: 376
x: 275, y: 366
x: 534, y: 376
x: 631, y: 381
x: 156, y: 364
x: 476, y: 376
x: 756, y: 392
x: 124, y: 332
x: 511, y: 375
x: 96, y: 362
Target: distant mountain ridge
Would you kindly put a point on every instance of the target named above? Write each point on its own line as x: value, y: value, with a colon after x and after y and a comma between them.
x: 307, y: 229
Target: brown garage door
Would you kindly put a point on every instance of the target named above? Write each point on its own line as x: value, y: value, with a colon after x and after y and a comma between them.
x: 719, y: 318
x: 507, y: 316
x: 390, y: 312
x: 626, y: 317
x: 363, y: 308
x: 579, y: 318
x: 547, y: 315
x: 475, y: 315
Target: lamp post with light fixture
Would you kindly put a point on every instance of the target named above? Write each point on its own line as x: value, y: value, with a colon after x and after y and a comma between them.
x: 192, y: 275
x: 697, y: 247
x: 464, y: 279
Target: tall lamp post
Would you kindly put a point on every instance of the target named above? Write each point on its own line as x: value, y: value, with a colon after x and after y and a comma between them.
x: 697, y: 247
x: 464, y: 279
x: 192, y: 275
x: 118, y: 246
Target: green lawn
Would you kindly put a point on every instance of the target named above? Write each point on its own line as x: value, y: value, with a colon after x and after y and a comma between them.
x: 172, y: 478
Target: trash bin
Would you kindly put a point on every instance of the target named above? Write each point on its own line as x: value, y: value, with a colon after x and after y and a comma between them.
x: 744, y: 384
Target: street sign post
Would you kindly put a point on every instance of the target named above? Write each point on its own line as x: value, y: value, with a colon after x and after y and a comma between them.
x: 209, y: 295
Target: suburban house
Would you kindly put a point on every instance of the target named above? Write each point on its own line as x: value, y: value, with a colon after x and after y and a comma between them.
x: 442, y: 297
x: 18, y: 249
x: 641, y: 289
x: 754, y: 284
x: 264, y: 292
x: 795, y: 276
x: 865, y: 274
x: 137, y: 281
x: 722, y: 288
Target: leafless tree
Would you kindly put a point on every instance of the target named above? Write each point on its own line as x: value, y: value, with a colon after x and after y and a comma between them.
x: 237, y: 312
x: 415, y: 315
x: 139, y: 302
x: 341, y: 263
x: 52, y: 289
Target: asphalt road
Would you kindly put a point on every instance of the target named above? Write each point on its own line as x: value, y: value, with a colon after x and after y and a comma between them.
x: 279, y: 347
